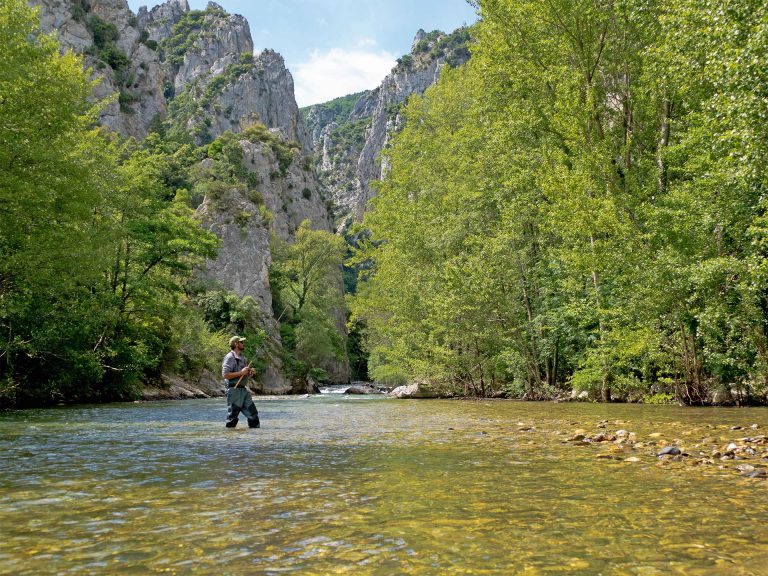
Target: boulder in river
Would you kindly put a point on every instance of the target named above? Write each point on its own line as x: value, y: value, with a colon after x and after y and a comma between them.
x: 361, y: 389
x: 415, y: 390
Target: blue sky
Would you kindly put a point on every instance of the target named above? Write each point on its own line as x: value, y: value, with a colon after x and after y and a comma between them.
x: 336, y: 47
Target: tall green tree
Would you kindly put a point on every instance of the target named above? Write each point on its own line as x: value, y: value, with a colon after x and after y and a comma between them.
x: 156, y: 245
x: 713, y: 56
x: 95, y: 246
x: 306, y: 280
x: 52, y: 187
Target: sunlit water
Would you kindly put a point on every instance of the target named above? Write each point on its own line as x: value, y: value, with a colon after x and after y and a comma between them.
x: 335, y: 484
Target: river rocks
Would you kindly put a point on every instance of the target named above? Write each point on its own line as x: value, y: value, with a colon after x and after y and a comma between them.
x: 415, y: 390
x: 745, y: 456
x: 175, y: 388
x: 362, y: 389
x: 305, y: 386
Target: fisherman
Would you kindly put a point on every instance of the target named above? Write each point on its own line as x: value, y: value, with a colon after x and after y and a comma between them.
x: 236, y: 371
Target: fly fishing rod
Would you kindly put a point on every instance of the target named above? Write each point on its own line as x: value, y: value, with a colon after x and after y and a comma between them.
x: 243, y: 376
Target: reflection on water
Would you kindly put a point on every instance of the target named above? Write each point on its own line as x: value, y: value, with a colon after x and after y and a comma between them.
x: 368, y: 485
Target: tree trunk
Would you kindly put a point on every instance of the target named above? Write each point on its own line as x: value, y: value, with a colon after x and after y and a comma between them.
x: 666, y: 113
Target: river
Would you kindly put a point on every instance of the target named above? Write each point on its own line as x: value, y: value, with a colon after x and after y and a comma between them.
x: 337, y: 484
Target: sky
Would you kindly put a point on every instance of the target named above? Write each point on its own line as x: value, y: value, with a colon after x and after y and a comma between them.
x: 338, y: 47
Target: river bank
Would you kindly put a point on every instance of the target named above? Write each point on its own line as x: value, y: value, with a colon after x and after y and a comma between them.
x: 173, y: 387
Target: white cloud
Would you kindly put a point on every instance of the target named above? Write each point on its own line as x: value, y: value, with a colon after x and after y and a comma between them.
x: 338, y: 72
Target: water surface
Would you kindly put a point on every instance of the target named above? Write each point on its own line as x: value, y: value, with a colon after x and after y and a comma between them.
x: 335, y: 484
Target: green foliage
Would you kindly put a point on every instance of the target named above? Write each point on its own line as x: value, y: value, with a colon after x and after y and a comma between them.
x: 50, y: 185
x: 357, y: 353
x: 454, y: 47
x: 350, y: 135
x: 225, y: 313
x: 97, y: 248
x: 284, y: 151
x: 105, y: 35
x: 659, y: 398
x: 305, y: 277
x: 404, y: 63
x: 580, y: 205
x: 79, y: 9
x: 336, y: 110
x: 194, y: 25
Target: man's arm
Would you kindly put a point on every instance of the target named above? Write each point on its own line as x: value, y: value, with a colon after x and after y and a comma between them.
x: 233, y: 375
x: 229, y: 369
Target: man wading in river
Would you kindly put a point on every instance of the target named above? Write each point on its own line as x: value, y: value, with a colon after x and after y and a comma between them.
x: 235, y: 372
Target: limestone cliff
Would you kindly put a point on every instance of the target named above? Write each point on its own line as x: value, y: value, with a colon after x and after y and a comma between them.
x: 193, y: 74
x: 350, y: 141
x: 106, y: 33
x: 337, y: 130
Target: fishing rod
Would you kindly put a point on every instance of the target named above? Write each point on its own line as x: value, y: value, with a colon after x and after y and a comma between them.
x: 243, y: 376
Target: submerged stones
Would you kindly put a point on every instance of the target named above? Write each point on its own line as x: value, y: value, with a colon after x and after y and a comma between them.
x: 746, y: 456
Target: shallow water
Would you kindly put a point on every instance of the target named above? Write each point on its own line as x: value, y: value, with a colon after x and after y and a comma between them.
x: 334, y: 484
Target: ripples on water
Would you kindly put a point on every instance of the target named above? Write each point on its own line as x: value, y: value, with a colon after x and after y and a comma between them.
x: 367, y: 485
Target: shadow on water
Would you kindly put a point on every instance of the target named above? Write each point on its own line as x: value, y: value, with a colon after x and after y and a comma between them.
x: 369, y: 485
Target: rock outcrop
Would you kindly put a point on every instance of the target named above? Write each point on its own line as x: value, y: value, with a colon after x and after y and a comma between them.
x: 106, y: 33
x: 350, y: 142
x: 264, y: 94
x: 194, y: 73
x: 211, y: 44
x: 158, y: 22
x: 415, y: 390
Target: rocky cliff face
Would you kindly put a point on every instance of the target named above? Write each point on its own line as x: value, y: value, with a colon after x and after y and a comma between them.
x: 195, y: 73
x: 263, y: 94
x: 158, y: 23
x: 212, y: 43
x: 152, y: 58
x: 350, y: 144
x: 106, y: 33
x: 337, y: 131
